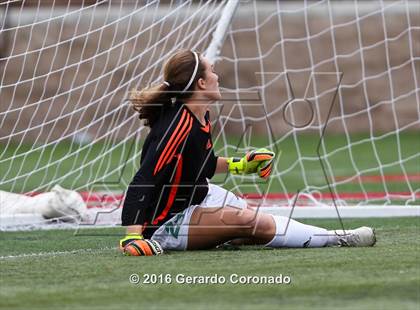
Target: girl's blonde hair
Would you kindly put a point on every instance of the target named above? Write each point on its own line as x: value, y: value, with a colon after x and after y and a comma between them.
x: 178, y: 70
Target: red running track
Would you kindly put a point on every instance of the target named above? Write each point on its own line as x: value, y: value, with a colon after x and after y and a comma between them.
x: 95, y: 198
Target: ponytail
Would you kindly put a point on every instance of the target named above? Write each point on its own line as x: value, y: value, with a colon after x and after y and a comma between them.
x: 181, y: 73
x: 149, y: 102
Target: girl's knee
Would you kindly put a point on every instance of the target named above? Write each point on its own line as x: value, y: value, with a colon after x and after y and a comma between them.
x: 254, y: 224
x: 265, y: 226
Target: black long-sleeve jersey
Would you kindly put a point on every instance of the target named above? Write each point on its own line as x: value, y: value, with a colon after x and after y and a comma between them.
x: 177, y: 158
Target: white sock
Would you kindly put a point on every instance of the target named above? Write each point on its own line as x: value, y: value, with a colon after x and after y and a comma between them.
x: 292, y: 234
x: 333, y: 237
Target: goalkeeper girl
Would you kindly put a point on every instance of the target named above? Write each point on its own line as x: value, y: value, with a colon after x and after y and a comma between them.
x: 170, y: 205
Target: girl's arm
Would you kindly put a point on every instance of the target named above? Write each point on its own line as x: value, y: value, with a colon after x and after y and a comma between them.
x: 222, y: 165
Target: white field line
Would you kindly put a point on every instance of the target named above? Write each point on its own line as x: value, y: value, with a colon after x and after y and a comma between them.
x: 329, y: 212
x: 55, y: 253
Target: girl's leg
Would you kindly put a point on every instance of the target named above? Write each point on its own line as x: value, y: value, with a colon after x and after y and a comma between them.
x: 210, y: 227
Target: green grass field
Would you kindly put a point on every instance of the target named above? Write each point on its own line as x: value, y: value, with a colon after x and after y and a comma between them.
x: 107, y: 165
x: 88, y: 272
x: 84, y: 270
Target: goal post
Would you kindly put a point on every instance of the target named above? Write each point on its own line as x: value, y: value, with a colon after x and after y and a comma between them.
x: 333, y: 85
x: 216, y: 44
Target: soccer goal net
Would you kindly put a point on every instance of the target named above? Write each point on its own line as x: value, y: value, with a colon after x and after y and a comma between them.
x: 332, y: 86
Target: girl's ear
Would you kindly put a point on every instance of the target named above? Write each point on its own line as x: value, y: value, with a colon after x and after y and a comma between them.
x: 201, y: 83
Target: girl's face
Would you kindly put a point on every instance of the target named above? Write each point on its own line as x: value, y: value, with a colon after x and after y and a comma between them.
x: 209, y: 86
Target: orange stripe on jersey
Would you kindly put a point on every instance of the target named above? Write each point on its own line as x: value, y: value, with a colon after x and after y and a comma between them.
x: 173, y: 191
x: 178, y: 142
x: 171, y: 140
x: 206, y: 128
x: 182, y: 134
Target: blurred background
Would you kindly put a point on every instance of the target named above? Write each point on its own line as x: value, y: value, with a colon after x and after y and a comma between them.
x: 289, y: 71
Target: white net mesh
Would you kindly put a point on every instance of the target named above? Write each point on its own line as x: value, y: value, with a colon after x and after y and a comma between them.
x: 336, y: 86
x: 66, y: 70
x: 65, y: 73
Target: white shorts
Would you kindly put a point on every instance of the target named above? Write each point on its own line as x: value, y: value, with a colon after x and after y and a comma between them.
x: 173, y: 234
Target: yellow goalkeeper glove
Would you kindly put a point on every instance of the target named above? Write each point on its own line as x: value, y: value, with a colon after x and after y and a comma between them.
x: 259, y: 160
x: 136, y: 245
